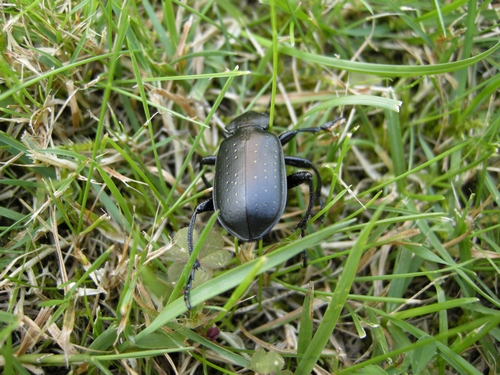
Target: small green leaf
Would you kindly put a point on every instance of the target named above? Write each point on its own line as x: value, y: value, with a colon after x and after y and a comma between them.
x: 211, y: 256
x: 267, y: 363
x: 217, y: 259
x: 201, y: 276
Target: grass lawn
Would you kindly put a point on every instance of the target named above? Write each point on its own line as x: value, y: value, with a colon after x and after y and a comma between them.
x: 106, y: 109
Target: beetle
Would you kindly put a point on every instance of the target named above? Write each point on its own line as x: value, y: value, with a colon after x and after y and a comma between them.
x: 250, y: 182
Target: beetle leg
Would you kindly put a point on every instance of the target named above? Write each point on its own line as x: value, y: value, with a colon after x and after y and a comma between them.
x: 292, y: 181
x: 304, y: 163
x: 289, y: 135
x: 207, y: 160
x: 206, y: 206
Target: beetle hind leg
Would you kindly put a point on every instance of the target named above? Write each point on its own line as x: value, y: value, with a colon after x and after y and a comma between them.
x: 206, y: 206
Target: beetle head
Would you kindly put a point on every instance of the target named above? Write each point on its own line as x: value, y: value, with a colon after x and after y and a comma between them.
x: 250, y: 118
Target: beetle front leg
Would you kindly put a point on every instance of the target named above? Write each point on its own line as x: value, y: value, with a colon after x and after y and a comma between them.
x: 295, y: 180
x: 207, y: 160
x: 289, y: 135
x: 206, y: 206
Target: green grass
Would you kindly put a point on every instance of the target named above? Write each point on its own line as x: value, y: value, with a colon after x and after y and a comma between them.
x: 106, y: 109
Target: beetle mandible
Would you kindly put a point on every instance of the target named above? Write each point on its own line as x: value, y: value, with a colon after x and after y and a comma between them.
x: 250, y: 182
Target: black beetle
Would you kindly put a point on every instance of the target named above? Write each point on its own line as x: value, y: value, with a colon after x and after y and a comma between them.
x: 250, y: 182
